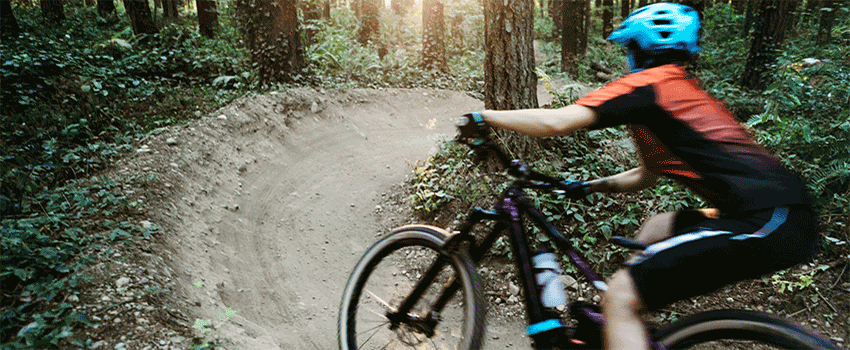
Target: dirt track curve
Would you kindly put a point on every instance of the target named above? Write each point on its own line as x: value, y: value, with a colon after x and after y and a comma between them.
x: 274, y: 199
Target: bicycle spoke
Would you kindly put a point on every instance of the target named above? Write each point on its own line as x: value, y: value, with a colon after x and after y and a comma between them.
x: 415, y: 271
x: 382, y: 302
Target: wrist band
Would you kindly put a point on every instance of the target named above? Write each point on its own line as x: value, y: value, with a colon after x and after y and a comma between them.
x: 476, y: 117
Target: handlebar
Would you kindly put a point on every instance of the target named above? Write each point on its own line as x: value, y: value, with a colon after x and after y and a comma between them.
x: 477, y: 135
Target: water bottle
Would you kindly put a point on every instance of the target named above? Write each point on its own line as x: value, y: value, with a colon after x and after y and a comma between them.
x: 548, y: 274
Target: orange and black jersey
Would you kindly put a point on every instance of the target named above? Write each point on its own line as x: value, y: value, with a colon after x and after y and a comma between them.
x: 683, y: 133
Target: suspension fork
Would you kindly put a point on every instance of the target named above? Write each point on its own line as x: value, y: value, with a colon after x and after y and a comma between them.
x: 454, y: 242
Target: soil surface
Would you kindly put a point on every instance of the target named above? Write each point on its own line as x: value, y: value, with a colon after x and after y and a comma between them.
x: 261, y: 209
x: 268, y: 203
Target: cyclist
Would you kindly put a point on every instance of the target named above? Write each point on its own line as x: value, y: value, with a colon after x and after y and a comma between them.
x: 763, y: 219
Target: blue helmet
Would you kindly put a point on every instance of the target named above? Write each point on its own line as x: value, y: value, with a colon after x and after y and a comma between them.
x: 658, y: 29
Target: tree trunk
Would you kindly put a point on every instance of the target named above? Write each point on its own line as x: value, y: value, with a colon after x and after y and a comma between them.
x: 207, y: 17
x: 106, y: 8
x: 401, y: 7
x: 573, y: 21
x: 274, y: 39
x: 369, y: 25
x: 510, y: 81
x: 356, y: 8
x: 827, y: 21
x: 53, y: 11
x: 748, y: 17
x: 607, y: 18
x: 434, y: 34
x: 169, y: 10
x: 625, y: 8
x: 555, y: 9
x: 771, y: 23
x: 140, y: 17
x: 586, y: 23
x: 813, y: 9
x: 8, y: 23
x: 312, y: 14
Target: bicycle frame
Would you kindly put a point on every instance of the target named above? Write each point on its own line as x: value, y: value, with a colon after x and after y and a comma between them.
x: 508, y: 216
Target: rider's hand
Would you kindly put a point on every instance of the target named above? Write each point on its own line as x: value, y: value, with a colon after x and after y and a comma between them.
x: 576, y: 189
x: 472, y: 129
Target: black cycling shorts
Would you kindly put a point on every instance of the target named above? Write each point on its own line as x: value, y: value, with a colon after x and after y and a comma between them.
x: 706, y: 254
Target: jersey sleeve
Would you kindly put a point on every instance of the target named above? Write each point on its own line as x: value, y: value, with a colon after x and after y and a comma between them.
x: 623, y: 100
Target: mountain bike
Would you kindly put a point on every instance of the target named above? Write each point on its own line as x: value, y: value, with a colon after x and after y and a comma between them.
x: 418, y: 287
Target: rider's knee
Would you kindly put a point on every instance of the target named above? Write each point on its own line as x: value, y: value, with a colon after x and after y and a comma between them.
x: 622, y: 293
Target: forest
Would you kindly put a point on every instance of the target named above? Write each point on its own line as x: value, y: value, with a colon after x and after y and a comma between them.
x: 84, y: 80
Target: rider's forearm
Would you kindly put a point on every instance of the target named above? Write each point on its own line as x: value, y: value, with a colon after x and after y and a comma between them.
x: 542, y: 122
x: 628, y: 181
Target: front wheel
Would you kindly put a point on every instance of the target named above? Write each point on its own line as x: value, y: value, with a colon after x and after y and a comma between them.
x: 738, y: 329
x: 370, y: 315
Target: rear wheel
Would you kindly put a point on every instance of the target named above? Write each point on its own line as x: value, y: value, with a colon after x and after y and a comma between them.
x: 388, y: 272
x: 738, y: 329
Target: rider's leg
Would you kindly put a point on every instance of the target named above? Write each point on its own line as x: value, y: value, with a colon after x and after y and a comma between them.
x: 623, y: 328
x: 657, y: 228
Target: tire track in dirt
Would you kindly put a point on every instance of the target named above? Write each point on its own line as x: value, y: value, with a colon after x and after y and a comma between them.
x: 277, y: 202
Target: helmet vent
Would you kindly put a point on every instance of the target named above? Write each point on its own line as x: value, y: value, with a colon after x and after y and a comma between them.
x: 665, y: 35
x: 661, y: 22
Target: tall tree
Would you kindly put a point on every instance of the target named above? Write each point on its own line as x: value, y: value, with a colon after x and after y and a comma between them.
x: 555, y: 9
x: 207, y: 17
x: 140, y: 17
x: 312, y: 11
x: 169, y: 10
x: 573, y: 30
x: 748, y: 17
x: 274, y: 39
x: 607, y: 18
x: 8, y: 24
x: 369, y: 25
x: 625, y: 8
x: 434, y: 34
x: 510, y: 81
x: 585, y: 27
x: 106, y: 8
x: 401, y: 7
x: 53, y: 11
x: 772, y: 19
x: 827, y: 20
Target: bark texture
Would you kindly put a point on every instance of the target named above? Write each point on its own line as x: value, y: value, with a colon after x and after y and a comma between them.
x: 509, y: 75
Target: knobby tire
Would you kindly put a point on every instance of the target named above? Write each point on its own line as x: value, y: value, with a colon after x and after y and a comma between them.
x: 750, y: 326
x: 411, y: 238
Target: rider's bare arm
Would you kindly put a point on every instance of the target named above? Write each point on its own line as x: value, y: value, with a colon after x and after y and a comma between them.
x: 542, y: 122
x: 628, y: 181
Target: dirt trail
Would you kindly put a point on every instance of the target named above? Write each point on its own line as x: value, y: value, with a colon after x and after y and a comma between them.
x: 275, y: 200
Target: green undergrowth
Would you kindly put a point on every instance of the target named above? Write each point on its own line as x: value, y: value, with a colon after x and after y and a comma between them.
x: 336, y: 60
x: 75, y: 98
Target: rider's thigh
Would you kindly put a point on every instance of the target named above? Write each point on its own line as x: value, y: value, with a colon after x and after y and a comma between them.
x: 657, y: 228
